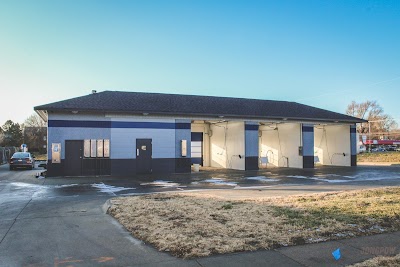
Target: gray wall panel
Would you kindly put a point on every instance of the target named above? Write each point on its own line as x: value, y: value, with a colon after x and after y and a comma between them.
x: 59, y: 135
x: 182, y: 134
x: 78, y: 116
x: 308, y: 139
x: 123, y: 167
x: 251, y: 140
x: 308, y: 145
x: 353, y: 144
x: 251, y: 163
x: 123, y: 142
x: 353, y: 140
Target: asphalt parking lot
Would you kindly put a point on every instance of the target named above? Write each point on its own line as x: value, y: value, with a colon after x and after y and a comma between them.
x: 61, y: 221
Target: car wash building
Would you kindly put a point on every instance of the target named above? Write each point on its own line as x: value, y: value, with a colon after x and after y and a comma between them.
x: 128, y: 133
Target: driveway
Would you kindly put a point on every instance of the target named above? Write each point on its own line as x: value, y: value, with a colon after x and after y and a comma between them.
x: 61, y: 221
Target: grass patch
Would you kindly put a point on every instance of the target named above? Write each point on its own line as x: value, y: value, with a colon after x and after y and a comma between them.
x: 379, y: 157
x: 41, y: 157
x: 195, y: 225
x: 380, y: 262
x: 227, y: 206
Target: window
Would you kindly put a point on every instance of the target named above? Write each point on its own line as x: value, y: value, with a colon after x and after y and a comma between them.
x: 100, y: 148
x: 106, y: 149
x: 93, y: 148
x: 86, y: 148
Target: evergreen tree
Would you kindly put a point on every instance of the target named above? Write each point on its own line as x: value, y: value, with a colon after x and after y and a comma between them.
x: 12, y: 134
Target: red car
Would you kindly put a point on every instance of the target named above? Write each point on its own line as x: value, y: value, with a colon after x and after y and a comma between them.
x: 22, y: 160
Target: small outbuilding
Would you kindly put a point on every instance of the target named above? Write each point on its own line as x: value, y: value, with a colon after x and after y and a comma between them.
x: 127, y: 133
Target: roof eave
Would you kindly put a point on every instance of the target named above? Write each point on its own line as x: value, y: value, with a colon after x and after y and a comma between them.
x: 42, y: 114
x: 355, y: 120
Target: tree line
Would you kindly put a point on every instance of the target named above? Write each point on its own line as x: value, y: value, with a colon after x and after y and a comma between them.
x: 32, y: 132
x: 381, y: 125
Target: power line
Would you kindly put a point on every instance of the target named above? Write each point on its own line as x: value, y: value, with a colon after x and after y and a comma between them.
x: 348, y: 90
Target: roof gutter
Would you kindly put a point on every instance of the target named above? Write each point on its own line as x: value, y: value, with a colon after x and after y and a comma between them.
x: 43, y: 112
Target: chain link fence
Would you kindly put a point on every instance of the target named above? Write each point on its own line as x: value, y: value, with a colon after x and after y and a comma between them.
x: 6, y: 154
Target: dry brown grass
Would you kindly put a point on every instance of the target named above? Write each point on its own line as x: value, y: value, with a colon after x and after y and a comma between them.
x: 380, y: 262
x: 379, y: 157
x: 41, y: 157
x: 196, y: 224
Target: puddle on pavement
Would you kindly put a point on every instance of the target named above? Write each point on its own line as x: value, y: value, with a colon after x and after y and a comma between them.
x: 261, y: 179
x: 65, y: 185
x: 163, y: 184
x: 27, y: 186
x: 219, y: 181
x: 110, y: 189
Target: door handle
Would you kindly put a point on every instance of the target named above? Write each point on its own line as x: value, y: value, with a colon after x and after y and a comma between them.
x: 137, y: 151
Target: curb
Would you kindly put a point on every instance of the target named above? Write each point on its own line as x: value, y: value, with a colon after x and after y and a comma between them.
x: 106, y: 206
x: 379, y: 164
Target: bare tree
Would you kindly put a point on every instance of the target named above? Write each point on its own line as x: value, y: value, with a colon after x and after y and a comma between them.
x: 34, y: 120
x: 35, y: 133
x: 373, y: 112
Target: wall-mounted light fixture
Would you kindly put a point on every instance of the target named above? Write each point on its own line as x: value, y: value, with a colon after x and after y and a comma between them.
x: 75, y: 112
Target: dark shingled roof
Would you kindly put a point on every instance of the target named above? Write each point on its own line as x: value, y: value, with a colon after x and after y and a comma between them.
x: 192, y: 105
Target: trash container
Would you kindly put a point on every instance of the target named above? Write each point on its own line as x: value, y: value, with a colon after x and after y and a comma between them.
x: 196, y: 167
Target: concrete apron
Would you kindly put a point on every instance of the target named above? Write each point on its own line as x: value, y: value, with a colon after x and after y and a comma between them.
x: 76, y: 232
x: 61, y: 222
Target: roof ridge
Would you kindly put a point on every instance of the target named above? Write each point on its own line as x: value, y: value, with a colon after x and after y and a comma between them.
x: 191, y: 95
x: 194, y: 105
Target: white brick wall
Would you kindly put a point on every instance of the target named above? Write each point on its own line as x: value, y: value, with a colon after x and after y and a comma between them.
x: 331, y: 145
x: 277, y: 149
x: 224, y: 154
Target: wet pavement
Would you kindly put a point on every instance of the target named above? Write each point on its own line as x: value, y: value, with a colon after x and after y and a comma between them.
x: 209, y: 178
x: 23, y: 183
x: 61, y: 221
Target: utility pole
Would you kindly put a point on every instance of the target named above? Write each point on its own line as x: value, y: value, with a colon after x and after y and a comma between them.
x: 369, y: 136
x: 369, y: 132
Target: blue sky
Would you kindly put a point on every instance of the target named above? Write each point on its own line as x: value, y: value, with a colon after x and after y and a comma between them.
x: 320, y: 53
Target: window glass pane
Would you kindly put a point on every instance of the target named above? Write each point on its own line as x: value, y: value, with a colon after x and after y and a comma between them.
x: 93, y: 148
x: 99, y: 148
x: 106, y: 148
x: 86, y: 148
